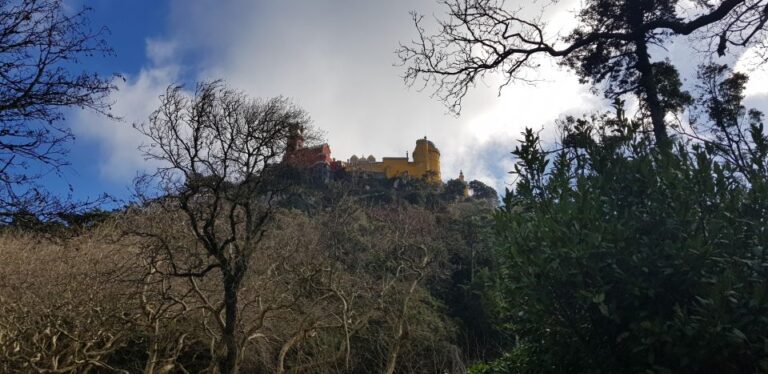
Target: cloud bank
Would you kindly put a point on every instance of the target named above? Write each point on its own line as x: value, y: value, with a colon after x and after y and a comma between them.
x: 335, y: 59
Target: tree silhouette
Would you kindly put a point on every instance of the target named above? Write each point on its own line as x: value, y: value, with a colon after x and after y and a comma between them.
x: 610, y: 45
x: 217, y: 149
x: 482, y: 191
x: 41, y: 43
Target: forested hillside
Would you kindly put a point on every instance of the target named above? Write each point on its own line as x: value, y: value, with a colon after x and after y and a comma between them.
x: 343, y: 280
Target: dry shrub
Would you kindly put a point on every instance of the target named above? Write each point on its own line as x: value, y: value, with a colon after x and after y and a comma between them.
x: 340, y: 291
x: 61, y: 303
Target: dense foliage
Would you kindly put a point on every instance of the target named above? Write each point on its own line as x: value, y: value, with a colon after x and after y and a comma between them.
x: 619, y: 257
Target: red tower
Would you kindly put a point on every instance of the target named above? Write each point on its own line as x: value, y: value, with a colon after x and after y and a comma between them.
x: 297, y: 154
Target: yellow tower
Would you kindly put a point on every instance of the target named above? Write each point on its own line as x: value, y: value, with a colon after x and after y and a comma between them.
x: 426, y: 158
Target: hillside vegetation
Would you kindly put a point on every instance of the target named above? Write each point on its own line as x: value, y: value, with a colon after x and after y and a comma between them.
x: 350, y: 285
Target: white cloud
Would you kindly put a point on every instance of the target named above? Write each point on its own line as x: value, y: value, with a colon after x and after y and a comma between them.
x: 335, y: 59
x: 161, y: 51
x: 118, y: 141
x: 753, y: 62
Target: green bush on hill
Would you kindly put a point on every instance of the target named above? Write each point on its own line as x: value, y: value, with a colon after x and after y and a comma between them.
x: 621, y: 257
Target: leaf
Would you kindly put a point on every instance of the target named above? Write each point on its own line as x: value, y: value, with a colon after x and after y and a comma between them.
x: 737, y: 333
x: 599, y: 298
x: 604, y: 310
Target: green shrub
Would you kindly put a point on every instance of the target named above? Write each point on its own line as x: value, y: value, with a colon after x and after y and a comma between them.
x: 619, y: 257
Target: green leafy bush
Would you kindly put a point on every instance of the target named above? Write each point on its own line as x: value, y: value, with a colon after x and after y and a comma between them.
x: 620, y: 257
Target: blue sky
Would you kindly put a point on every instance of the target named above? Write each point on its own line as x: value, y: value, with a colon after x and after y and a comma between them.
x: 130, y: 24
x: 335, y: 59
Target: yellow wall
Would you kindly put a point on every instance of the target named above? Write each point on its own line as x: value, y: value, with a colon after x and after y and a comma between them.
x: 426, y: 163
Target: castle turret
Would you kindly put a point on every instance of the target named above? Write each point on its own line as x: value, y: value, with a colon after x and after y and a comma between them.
x: 295, y: 138
x: 427, y: 157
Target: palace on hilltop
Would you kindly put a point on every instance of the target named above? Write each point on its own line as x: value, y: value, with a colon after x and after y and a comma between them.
x: 425, y: 162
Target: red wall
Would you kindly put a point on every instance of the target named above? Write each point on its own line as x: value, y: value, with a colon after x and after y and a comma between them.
x: 307, y: 157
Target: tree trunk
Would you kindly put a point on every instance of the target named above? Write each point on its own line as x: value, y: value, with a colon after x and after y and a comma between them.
x: 149, y: 367
x: 648, y: 84
x: 230, y: 362
x: 400, y: 329
x: 647, y: 77
x: 284, y: 351
x: 395, y: 349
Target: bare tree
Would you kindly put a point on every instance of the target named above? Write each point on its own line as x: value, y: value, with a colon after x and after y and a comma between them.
x: 412, y: 251
x: 217, y: 150
x: 609, y: 45
x: 164, y: 305
x: 327, y: 307
x: 355, y: 280
x: 41, y: 44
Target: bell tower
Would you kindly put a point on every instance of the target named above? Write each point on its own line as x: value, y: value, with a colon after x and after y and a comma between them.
x: 295, y: 138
